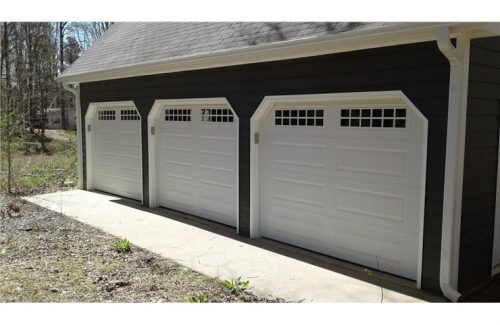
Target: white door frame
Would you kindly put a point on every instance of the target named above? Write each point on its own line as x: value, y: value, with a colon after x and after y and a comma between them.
x: 255, y: 130
x: 155, y: 112
x: 89, y: 138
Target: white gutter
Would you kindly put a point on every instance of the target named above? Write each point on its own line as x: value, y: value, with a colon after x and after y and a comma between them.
x: 76, y: 91
x: 397, y: 34
x: 455, y: 147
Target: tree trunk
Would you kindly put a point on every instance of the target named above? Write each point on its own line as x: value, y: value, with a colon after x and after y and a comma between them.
x: 8, y: 131
x: 62, y: 104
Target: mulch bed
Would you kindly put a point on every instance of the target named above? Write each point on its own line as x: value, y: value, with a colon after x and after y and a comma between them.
x: 48, y: 257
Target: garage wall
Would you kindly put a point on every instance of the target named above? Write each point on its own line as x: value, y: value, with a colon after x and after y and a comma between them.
x: 419, y: 70
x: 480, y: 165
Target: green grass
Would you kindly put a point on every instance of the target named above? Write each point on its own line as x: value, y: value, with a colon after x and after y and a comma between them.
x: 35, y: 169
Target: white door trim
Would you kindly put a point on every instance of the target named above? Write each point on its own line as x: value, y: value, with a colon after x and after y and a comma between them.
x: 152, y: 130
x: 89, y: 138
x: 266, y: 105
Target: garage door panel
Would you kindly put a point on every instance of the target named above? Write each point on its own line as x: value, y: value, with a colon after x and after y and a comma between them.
x: 376, y: 248
x: 286, y: 230
x: 177, y: 193
x: 372, y: 160
x: 296, y: 188
x: 221, y: 205
x: 345, y: 190
x: 371, y: 204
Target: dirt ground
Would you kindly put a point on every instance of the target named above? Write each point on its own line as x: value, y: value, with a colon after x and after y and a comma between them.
x: 58, y: 135
x: 48, y: 257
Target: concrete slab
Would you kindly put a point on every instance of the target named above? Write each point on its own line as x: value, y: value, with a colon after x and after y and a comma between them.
x: 274, y: 269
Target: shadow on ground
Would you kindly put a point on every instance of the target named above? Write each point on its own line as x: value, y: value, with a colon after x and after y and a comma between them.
x: 385, y: 280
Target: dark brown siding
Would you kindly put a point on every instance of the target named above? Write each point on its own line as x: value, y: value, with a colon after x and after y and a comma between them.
x: 419, y: 70
x: 480, y: 164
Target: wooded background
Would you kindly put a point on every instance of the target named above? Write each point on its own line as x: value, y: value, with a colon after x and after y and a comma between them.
x: 32, y: 55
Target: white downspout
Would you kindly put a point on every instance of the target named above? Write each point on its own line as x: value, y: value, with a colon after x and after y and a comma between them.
x: 76, y: 91
x: 455, y: 148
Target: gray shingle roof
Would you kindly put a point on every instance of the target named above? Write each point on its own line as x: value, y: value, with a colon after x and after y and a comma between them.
x: 129, y: 44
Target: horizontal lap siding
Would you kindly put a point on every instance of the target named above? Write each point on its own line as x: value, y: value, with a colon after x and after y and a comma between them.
x: 480, y: 164
x: 419, y: 70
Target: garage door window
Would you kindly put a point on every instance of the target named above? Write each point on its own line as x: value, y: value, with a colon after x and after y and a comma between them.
x: 107, y: 115
x: 298, y: 117
x: 217, y: 115
x: 178, y: 115
x: 129, y: 115
x: 373, y: 117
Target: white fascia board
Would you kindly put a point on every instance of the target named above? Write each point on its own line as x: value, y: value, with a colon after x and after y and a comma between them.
x: 342, y: 42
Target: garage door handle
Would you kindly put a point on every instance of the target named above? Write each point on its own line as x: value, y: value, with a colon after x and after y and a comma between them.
x: 152, y: 130
x: 256, y: 138
x: 89, y: 128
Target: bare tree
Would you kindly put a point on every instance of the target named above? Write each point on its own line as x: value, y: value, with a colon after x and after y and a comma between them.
x: 5, y: 103
x: 86, y: 33
x: 61, y: 28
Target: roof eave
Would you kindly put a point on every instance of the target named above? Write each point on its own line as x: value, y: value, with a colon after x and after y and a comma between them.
x: 343, y: 42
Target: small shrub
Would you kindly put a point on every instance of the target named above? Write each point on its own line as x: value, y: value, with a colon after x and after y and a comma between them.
x: 236, y: 285
x: 123, y: 246
x: 201, y: 299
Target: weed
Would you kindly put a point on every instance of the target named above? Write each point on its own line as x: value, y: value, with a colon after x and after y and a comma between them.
x: 236, y: 285
x: 198, y: 299
x: 123, y: 246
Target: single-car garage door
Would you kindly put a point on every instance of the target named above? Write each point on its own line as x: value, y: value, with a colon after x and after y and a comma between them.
x: 195, y: 158
x: 345, y: 178
x: 114, y: 149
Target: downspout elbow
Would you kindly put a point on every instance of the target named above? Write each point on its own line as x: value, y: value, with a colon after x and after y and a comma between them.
x: 67, y: 86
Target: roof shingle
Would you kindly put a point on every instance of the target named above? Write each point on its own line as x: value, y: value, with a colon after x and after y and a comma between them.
x: 129, y: 44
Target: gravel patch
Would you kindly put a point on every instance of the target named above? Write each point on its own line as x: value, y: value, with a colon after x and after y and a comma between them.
x: 48, y: 257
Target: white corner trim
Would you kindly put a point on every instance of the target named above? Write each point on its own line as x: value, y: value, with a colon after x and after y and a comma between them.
x: 343, y: 42
x: 153, y: 117
x: 454, y: 166
x: 89, y: 137
x: 267, y: 104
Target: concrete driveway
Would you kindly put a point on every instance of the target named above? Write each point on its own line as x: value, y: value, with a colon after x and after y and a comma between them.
x: 273, y: 269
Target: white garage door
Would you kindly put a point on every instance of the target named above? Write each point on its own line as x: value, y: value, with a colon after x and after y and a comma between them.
x: 116, y: 151
x: 344, y: 180
x: 197, y: 161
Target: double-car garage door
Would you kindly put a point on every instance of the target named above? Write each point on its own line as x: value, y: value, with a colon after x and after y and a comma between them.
x: 343, y: 177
